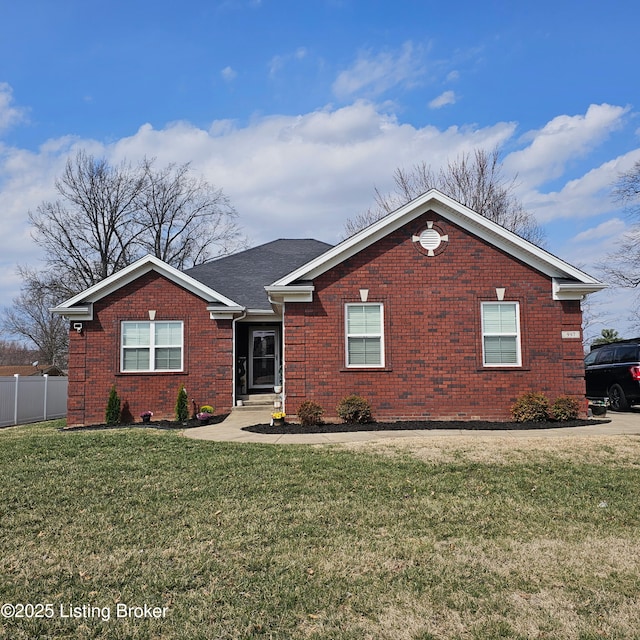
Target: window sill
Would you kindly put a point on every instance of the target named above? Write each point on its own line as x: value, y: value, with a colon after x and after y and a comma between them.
x: 365, y: 370
x: 151, y: 373
x: 503, y: 368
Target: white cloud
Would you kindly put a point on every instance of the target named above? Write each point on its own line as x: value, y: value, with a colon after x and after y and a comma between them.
x: 448, y: 97
x: 600, y: 233
x: 563, y: 139
x: 373, y: 74
x: 228, y: 74
x: 587, y: 196
x: 26, y: 180
x: 304, y: 175
x: 295, y: 176
x: 10, y: 115
x: 277, y: 63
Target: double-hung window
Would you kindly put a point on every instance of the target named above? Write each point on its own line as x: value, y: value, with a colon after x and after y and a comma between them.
x: 364, y: 335
x: 501, y: 334
x: 152, y: 346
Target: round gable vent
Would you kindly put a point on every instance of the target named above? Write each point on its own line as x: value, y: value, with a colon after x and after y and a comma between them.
x: 430, y: 241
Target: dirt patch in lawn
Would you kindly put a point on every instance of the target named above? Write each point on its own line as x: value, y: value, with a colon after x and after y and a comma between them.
x: 618, y: 450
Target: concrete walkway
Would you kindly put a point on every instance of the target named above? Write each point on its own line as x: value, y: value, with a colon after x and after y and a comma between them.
x: 230, y: 430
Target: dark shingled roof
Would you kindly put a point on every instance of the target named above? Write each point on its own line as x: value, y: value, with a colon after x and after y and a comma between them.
x: 243, y: 276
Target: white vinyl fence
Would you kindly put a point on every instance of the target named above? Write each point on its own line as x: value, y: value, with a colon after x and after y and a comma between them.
x: 25, y: 399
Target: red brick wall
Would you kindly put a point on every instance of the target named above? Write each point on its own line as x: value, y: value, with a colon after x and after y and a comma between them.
x: 95, y: 355
x: 433, y: 342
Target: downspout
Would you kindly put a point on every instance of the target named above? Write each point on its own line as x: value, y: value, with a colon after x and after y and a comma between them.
x: 283, y: 395
x: 234, y: 364
x: 282, y: 378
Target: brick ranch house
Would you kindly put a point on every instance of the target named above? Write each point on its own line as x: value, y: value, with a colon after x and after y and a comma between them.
x: 432, y: 312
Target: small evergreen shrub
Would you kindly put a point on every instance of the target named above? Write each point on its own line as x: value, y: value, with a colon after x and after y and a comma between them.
x: 206, y: 408
x: 310, y: 413
x: 182, y: 405
x: 565, y: 408
x: 531, y: 407
x: 354, y: 408
x: 112, y: 413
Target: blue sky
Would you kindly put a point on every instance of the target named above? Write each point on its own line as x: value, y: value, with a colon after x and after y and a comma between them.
x: 298, y: 110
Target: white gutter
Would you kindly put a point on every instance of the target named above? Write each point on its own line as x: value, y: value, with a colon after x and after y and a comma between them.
x: 571, y: 290
x: 84, y: 312
x: 290, y: 293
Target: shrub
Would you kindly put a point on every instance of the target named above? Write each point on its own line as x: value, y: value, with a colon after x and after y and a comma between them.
x: 206, y: 408
x: 112, y: 414
x: 565, y: 408
x: 310, y: 413
x: 531, y: 407
x: 182, y: 405
x: 354, y: 408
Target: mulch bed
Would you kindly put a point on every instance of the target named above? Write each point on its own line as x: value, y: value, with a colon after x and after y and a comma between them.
x: 290, y: 428
x: 153, y: 424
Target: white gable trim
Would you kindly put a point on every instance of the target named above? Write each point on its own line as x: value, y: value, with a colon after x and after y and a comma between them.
x: 457, y: 213
x: 85, y: 300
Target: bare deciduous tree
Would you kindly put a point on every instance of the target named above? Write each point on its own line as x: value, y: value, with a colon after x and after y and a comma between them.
x: 627, y: 189
x: 594, y: 316
x: 90, y: 233
x: 475, y: 180
x: 185, y: 220
x: 30, y: 318
x: 622, y: 267
x: 108, y: 216
x: 17, y: 353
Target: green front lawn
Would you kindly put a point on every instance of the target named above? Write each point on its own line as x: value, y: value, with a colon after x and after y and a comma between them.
x: 267, y: 541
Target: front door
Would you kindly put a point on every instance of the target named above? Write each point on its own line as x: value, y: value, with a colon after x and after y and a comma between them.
x: 264, y: 360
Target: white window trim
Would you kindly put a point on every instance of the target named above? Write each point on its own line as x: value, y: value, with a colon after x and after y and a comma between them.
x: 348, y: 335
x: 517, y: 334
x: 152, y: 346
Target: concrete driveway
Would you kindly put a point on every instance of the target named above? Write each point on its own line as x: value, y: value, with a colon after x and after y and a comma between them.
x: 230, y: 430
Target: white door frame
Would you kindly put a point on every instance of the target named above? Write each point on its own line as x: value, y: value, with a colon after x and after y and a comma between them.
x: 275, y: 330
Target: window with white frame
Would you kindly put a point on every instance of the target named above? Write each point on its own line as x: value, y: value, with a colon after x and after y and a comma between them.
x: 364, y: 335
x: 152, y: 346
x: 501, y: 334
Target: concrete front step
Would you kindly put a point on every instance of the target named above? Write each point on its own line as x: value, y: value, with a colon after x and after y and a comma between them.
x: 257, y: 402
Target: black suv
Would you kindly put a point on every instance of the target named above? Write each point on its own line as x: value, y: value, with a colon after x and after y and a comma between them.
x: 613, y: 371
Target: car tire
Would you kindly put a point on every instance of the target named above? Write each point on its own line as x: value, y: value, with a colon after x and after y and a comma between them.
x: 617, y: 399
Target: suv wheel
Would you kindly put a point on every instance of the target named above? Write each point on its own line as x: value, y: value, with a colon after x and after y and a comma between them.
x: 617, y: 398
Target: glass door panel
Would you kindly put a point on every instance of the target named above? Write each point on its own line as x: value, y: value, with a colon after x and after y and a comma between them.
x: 263, y: 351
